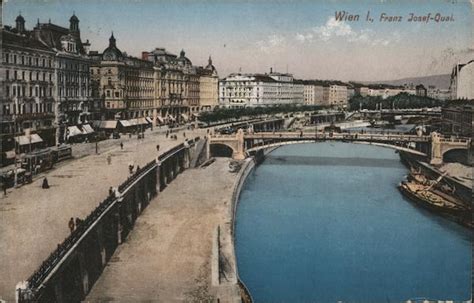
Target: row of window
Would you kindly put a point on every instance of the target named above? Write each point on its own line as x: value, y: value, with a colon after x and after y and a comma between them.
x: 28, y: 75
x: 31, y: 108
x: 22, y: 91
x: 74, y: 92
x: 27, y: 60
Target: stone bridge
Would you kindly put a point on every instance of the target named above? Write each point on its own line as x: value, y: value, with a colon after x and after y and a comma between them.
x: 432, y: 146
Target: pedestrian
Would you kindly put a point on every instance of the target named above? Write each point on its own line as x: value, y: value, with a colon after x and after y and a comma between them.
x: 208, y: 131
x: 109, y: 159
x: 111, y: 191
x: 130, y: 168
x: 138, y: 168
x: 184, y: 134
x: 71, y: 225
x: 121, y: 145
x: 4, y: 186
x: 167, y: 134
x: 45, y: 183
x: 158, y: 147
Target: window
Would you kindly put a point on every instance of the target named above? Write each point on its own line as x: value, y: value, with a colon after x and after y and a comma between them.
x: 108, y: 93
x: 36, y: 61
x: 7, y: 58
x: 23, y: 76
x: 23, y: 60
x: 31, y: 91
x: 117, y: 94
x: 44, y: 62
x: 7, y: 74
x: 14, y: 59
x: 31, y: 76
x: 29, y: 60
x: 15, y: 75
x: 8, y: 91
x: 36, y: 91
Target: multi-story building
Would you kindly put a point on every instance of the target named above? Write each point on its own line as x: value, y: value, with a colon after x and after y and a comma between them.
x: 242, y: 90
x: 336, y: 95
x: 362, y: 91
x: 208, y: 87
x: 439, y: 94
x: 27, y: 80
x: 313, y: 92
x: 72, y: 79
x: 125, y: 85
x: 458, y: 120
x: 177, y: 85
x: 462, y: 81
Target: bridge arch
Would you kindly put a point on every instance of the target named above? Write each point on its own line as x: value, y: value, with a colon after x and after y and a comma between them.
x: 455, y: 154
x: 221, y: 150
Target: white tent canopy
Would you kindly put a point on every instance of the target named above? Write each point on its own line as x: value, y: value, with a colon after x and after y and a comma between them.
x: 24, y: 140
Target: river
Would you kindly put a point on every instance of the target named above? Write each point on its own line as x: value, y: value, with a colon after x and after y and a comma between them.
x: 325, y: 222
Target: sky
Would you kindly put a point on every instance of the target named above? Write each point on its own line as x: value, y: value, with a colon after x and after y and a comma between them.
x: 301, y: 37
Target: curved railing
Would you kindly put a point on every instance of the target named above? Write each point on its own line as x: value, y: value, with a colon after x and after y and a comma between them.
x: 56, y: 257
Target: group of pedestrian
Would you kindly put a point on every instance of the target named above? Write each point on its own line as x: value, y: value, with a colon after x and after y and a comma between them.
x: 73, y: 225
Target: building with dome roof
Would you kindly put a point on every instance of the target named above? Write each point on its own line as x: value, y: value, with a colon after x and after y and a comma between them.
x: 124, y: 84
x: 208, y: 87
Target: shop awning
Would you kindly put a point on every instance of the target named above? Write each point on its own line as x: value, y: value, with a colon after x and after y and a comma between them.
x: 73, y: 131
x: 150, y: 120
x: 125, y: 123
x: 172, y: 118
x: 142, y: 121
x: 185, y: 117
x: 110, y: 124
x: 86, y: 128
x: 160, y: 119
x: 24, y: 140
x: 10, y: 154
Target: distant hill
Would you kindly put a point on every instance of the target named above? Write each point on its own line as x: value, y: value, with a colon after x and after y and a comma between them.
x: 440, y: 81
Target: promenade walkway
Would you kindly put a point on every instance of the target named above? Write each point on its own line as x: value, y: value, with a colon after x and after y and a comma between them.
x: 34, y: 220
x: 166, y: 257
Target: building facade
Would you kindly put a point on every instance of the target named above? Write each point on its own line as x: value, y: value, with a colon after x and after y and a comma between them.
x: 458, y: 120
x: 244, y: 90
x: 337, y: 95
x: 124, y: 84
x: 462, y: 81
x: 208, y: 87
x: 72, y: 79
x: 27, y: 95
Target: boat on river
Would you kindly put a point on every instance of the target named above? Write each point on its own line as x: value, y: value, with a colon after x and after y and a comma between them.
x: 432, y: 199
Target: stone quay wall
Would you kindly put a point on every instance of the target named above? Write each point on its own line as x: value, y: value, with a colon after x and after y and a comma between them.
x: 69, y: 273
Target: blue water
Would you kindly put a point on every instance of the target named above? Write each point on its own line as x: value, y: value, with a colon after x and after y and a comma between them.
x: 325, y: 222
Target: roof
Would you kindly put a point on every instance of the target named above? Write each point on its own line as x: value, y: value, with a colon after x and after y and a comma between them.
x: 52, y: 34
x: 12, y: 38
x: 112, y: 53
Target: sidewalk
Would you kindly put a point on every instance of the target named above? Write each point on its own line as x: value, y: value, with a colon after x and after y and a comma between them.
x: 34, y: 220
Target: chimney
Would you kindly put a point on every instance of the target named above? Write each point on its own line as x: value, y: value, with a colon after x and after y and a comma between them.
x: 144, y: 55
x: 271, y: 70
